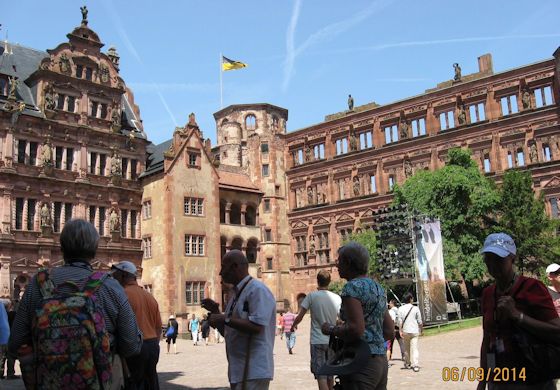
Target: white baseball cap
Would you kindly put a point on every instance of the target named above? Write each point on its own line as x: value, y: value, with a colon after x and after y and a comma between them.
x: 552, y: 268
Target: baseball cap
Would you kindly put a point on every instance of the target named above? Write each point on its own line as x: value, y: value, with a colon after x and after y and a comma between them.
x: 500, y: 244
x: 552, y: 268
x: 125, y: 266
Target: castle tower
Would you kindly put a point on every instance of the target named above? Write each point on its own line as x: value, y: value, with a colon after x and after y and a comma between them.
x: 251, y: 139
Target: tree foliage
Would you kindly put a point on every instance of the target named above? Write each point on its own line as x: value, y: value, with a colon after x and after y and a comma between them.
x: 522, y: 215
x: 462, y: 198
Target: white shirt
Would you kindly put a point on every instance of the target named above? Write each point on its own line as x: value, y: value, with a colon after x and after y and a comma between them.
x: 393, y: 312
x: 256, y: 304
x: 324, y: 306
x: 413, y: 321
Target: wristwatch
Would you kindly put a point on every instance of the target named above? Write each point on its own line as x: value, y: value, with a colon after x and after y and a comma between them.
x: 227, y: 321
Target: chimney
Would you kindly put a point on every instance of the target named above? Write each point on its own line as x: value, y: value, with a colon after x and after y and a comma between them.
x: 485, y: 64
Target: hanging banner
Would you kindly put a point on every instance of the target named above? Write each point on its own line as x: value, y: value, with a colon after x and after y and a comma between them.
x: 430, y: 273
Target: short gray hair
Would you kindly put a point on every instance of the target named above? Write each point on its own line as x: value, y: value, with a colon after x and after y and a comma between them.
x: 356, y: 255
x: 78, y: 240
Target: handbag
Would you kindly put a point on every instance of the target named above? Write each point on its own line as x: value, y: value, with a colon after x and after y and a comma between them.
x: 349, y: 357
x: 542, y: 359
x: 170, y: 331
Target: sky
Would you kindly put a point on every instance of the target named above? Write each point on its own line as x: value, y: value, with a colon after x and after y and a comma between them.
x: 302, y: 55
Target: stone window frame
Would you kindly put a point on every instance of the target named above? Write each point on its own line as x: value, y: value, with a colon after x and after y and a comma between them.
x: 193, y: 157
x: 196, y: 241
x: 267, y: 209
x: 195, y: 288
x: 250, y: 126
x: 364, y: 143
x: 543, y: 95
x: 191, y: 203
x: 393, y: 127
x: 147, y: 247
x: 147, y: 209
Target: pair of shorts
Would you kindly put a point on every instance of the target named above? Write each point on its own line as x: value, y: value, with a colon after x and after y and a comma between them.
x: 320, y: 354
x: 172, y: 338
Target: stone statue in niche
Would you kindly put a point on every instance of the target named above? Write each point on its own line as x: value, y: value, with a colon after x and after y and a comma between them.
x: 46, y: 153
x: 84, y: 15
x: 104, y: 72
x: 310, y: 195
x: 457, y: 68
x: 64, y: 63
x: 350, y: 103
x: 312, y: 245
x: 407, y: 168
x: 353, y: 140
x: 526, y: 100
x: 533, y: 154
x: 13, y: 88
x: 114, y: 223
x: 116, y: 164
x: 462, y: 115
x: 46, y: 215
x: 115, y: 119
x: 50, y: 99
x: 356, y: 186
x: 403, y: 129
x: 308, y: 154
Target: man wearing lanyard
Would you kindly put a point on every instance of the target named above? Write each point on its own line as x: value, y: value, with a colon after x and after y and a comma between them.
x: 248, y: 325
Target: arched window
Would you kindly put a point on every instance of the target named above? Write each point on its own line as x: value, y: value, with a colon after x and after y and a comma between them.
x: 250, y: 216
x: 250, y: 122
x: 252, y: 250
x: 235, y: 214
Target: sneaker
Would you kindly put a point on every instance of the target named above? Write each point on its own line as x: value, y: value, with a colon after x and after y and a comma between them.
x: 415, y: 368
x: 407, y: 366
x: 290, y: 350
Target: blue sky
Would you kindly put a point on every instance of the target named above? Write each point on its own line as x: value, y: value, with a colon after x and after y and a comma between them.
x: 303, y: 55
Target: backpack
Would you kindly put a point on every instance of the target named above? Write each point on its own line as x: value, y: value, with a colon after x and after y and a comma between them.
x: 70, y: 340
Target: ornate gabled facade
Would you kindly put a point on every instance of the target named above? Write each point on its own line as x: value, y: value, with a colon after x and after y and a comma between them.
x: 342, y: 169
x: 72, y: 146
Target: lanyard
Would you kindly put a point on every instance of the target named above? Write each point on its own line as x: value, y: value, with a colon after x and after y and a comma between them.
x: 234, y: 302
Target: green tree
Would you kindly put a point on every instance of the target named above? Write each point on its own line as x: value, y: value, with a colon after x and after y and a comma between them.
x: 464, y: 200
x: 522, y: 215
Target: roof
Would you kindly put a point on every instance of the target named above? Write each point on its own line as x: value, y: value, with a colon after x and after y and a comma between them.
x: 154, y: 163
x: 22, y: 62
x: 236, y: 181
x: 253, y: 106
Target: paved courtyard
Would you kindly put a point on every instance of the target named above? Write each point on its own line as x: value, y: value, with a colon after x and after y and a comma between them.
x: 205, y: 367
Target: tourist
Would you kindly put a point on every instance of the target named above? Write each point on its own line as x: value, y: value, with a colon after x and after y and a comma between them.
x: 289, y: 319
x: 513, y: 303
x: 78, y: 243
x: 142, y: 367
x: 194, y: 328
x: 7, y: 359
x: 248, y: 325
x: 411, y: 327
x: 205, y: 329
x: 324, y: 306
x: 553, y: 274
x: 280, y: 326
x: 365, y: 316
x: 4, y: 336
x: 394, y: 311
x: 171, y: 332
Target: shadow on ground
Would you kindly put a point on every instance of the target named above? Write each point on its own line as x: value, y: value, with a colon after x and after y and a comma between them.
x: 165, y: 379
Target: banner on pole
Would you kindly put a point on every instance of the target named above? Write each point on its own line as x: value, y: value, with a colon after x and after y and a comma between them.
x: 430, y: 273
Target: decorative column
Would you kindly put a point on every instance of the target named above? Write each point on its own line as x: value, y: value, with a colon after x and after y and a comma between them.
x: 228, y: 211
x: 243, y: 212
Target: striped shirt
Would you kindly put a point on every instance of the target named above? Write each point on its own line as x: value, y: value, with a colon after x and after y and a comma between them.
x: 126, y: 338
x: 289, y: 319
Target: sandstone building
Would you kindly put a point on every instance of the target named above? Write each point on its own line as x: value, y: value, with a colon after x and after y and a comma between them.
x: 71, y: 146
x: 342, y: 169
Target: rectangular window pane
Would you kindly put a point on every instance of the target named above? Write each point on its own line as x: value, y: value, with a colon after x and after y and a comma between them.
x: 133, y: 221
x: 487, y: 167
x: 201, y: 292
x: 102, y: 164
x: 520, y: 158
x: 188, y: 292
x: 22, y: 145
x: 265, y: 170
x: 481, y: 112
x: 548, y: 95
x: 102, y: 213
x: 67, y: 212
x: 442, y: 122
x: 369, y: 140
x: 31, y: 204
x: 92, y: 162
x: 451, y: 119
x: 133, y: 167
x: 373, y: 184
x: 193, y: 206
x: 19, y: 213
x: 188, y: 244
x: 200, y: 207
x: 472, y: 113
x: 124, y: 167
x: 395, y: 133
x: 124, y: 222
x: 514, y: 108
x: 94, y: 109
x: 510, y: 160
x: 201, y: 246
x: 69, y: 158
x: 187, y: 206
x: 546, y: 153
x: 33, y: 153
x: 71, y: 103
x: 554, y: 207
x: 60, y: 102
x: 538, y: 98
x: 58, y: 157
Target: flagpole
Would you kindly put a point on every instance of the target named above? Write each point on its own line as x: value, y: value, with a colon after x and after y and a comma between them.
x: 221, y: 84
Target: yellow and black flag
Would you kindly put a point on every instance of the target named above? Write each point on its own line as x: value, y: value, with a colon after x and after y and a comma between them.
x: 228, y: 64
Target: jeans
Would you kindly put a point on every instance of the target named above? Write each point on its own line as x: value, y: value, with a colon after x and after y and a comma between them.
x: 290, y: 339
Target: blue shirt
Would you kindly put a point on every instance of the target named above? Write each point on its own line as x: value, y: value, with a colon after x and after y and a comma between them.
x: 374, y: 303
x: 4, y: 326
x: 194, y: 325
